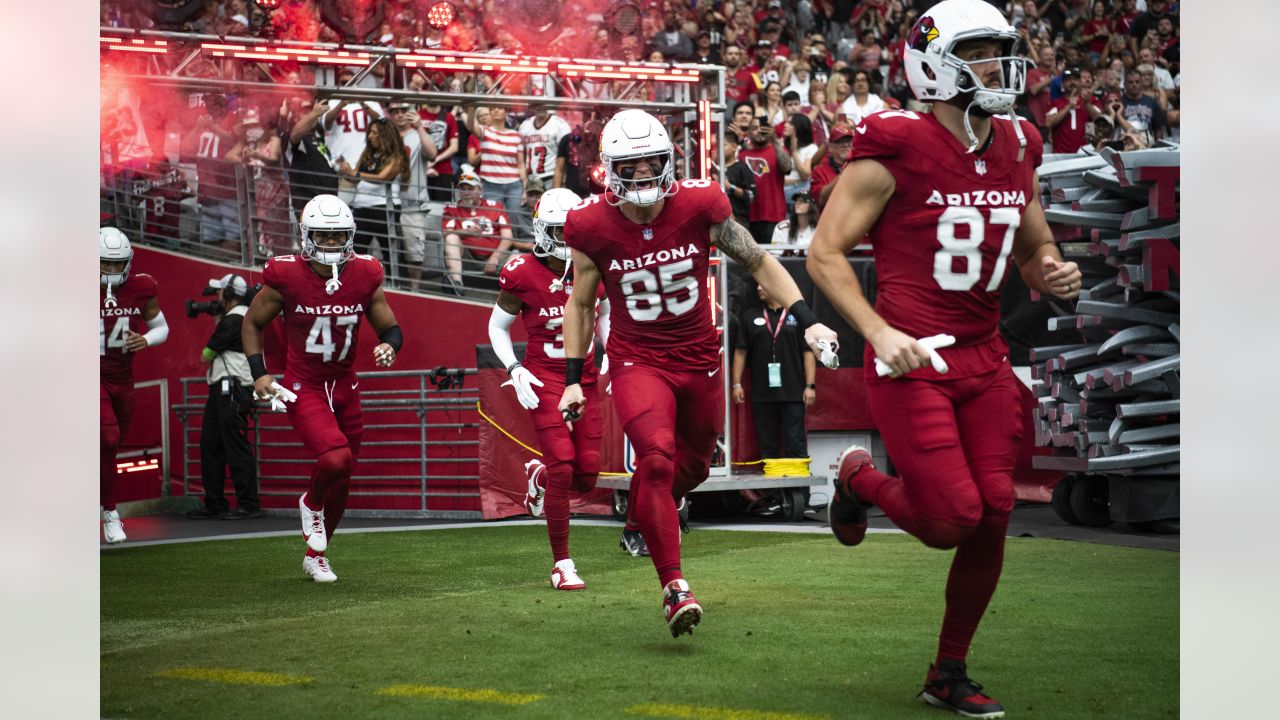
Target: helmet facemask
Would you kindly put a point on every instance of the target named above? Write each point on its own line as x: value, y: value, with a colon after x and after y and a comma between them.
x: 548, y: 240
x: 625, y: 186
x: 113, y: 279
x: 328, y: 256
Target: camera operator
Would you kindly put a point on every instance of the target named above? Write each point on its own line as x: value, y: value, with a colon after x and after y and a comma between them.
x: 224, y: 438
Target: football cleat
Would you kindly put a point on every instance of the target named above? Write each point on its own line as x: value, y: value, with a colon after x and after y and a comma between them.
x: 312, y: 526
x: 680, y: 608
x: 537, y: 492
x: 318, y: 568
x: 112, y: 528
x: 847, y: 514
x: 564, y: 576
x: 948, y: 686
x: 633, y: 542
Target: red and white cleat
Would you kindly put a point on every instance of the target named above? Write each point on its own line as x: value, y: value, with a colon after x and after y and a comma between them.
x: 537, y: 492
x: 680, y: 608
x: 564, y: 576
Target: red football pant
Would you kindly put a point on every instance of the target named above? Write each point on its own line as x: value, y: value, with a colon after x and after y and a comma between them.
x: 572, y: 457
x: 673, y: 419
x: 327, y: 417
x: 115, y: 412
x: 955, y: 444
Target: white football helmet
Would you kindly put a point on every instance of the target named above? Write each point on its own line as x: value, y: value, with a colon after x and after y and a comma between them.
x: 935, y: 73
x: 553, y: 208
x: 327, y: 212
x: 631, y: 135
x: 113, y: 246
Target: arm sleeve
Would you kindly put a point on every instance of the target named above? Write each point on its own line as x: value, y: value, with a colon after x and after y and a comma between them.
x: 500, y: 322
x: 158, y: 330
x: 602, y: 322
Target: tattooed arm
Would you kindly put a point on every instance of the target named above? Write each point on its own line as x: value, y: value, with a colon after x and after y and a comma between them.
x: 734, y: 241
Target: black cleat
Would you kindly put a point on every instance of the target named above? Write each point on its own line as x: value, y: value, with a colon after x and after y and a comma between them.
x: 633, y: 542
x: 847, y: 514
x: 948, y: 686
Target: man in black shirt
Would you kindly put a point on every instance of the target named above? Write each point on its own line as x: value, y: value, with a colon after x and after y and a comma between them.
x: 782, y: 376
x: 311, y: 170
x: 741, y: 182
x: 224, y: 440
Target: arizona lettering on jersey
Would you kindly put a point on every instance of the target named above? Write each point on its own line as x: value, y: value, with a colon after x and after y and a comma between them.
x: 943, y: 246
x: 124, y: 312
x: 655, y: 275
x: 320, y: 329
x: 543, y: 317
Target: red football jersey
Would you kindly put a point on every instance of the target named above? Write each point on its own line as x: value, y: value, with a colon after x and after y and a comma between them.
x: 478, y: 227
x: 944, y: 242
x: 123, y: 312
x: 321, y: 329
x: 655, y: 275
x: 543, y: 314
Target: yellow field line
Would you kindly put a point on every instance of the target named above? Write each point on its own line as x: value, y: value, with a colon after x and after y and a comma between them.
x: 439, y: 692
x: 234, y: 677
x: 697, y: 712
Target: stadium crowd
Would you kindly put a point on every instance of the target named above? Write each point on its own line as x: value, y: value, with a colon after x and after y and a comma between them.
x: 800, y: 76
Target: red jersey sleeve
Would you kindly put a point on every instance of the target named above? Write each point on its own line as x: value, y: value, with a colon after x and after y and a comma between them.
x: 878, y: 137
x: 271, y: 273
x: 716, y: 207
x: 509, y: 278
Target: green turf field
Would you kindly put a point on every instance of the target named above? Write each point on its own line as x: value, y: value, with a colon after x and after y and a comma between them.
x: 463, y: 624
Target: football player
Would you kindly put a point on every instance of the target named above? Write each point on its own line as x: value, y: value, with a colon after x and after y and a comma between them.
x: 534, y: 289
x: 951, y: 201
x: 322, y: 293
x: 648, y: 237
x: 131, y: 321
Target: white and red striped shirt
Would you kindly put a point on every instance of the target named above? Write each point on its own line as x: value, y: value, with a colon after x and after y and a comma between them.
x: 498, y: 156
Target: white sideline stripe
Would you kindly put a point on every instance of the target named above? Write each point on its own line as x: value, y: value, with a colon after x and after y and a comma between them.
x: 771, y: 528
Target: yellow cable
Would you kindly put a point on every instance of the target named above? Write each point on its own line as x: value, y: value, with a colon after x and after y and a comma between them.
x: 503, y: 430
x: 786, y: 467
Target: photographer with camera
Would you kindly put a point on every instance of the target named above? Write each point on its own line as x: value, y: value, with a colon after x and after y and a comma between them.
x: 224, y: 438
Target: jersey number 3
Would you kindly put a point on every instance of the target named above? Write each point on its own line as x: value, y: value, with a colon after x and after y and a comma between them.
x: 320, y: 339
x: 970, y: 248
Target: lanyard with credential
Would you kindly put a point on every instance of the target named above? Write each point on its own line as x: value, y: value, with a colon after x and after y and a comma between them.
x: 782, y: 320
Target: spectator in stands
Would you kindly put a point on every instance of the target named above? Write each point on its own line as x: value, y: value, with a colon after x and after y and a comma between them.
x: 838, y: 89
x: 476, y: 230
x: 740, y: 182
x: 259, y: 152
x: 800, y: 79
x: 770, y: 104
x: 861, y: 102
x: 674, y: 45
x: 522, y: 222
x: 501, y: 160
x: 1142, y: 113
x: 743, y: 114
x: 310, y: 165
x: 739, y: 84
x: 569, y: 163
x: 827, y: 168
x: 1158, y: 65
x: 414, y: 203
x: 1148, y: 20
x: 822, y: 114
x: 224, y: 440
x: 540, y: 136
x: 442, y: 127
x: 703, y: 51
x: 346, y: 126
x: 768, y: 160
x: 798, y: 228
x: 383, y: 163
x: 208, y: 143
x: 1038, y: 79
x: 868, y: 54
x: 797, y: 136
x: 759, y: 68
x: 1069, y: 115
x: 1096, y: 31
x: 1151, y: 87
x: 472, y: 140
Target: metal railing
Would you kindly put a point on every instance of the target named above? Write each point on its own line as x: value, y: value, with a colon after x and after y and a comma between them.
x: 419, y: 456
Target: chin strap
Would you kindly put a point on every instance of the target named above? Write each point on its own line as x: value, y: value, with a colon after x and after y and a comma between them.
x: 558, y: 285
x: 111, y: 299
x: 968, y: 128
x: 332, y: 284
x: 1022, y: 139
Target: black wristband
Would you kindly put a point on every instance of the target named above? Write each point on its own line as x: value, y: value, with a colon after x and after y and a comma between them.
x: 393, y: 337
x: 512, y: 367
x: 803, y: 315
x: 257, y: 366
x: 573, y: 371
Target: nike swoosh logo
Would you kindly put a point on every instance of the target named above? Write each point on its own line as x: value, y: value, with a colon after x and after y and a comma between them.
x: 355, y: 385
x: 862, y: 129
x: 712, y: 373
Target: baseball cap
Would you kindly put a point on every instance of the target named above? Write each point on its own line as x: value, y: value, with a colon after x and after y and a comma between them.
x: 775, y: 3
x: 535, y: 185
x: 399, y: 104
x: 467, y: 178
x: 236, y: 283
x: 764, y: 44
x: 839, y: 133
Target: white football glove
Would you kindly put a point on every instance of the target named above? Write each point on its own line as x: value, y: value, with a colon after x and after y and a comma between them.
x: 523, y: 381
x: 828, y: 355
x: 604, y: 365
x: 930, y: 344
x: 281, y: 395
